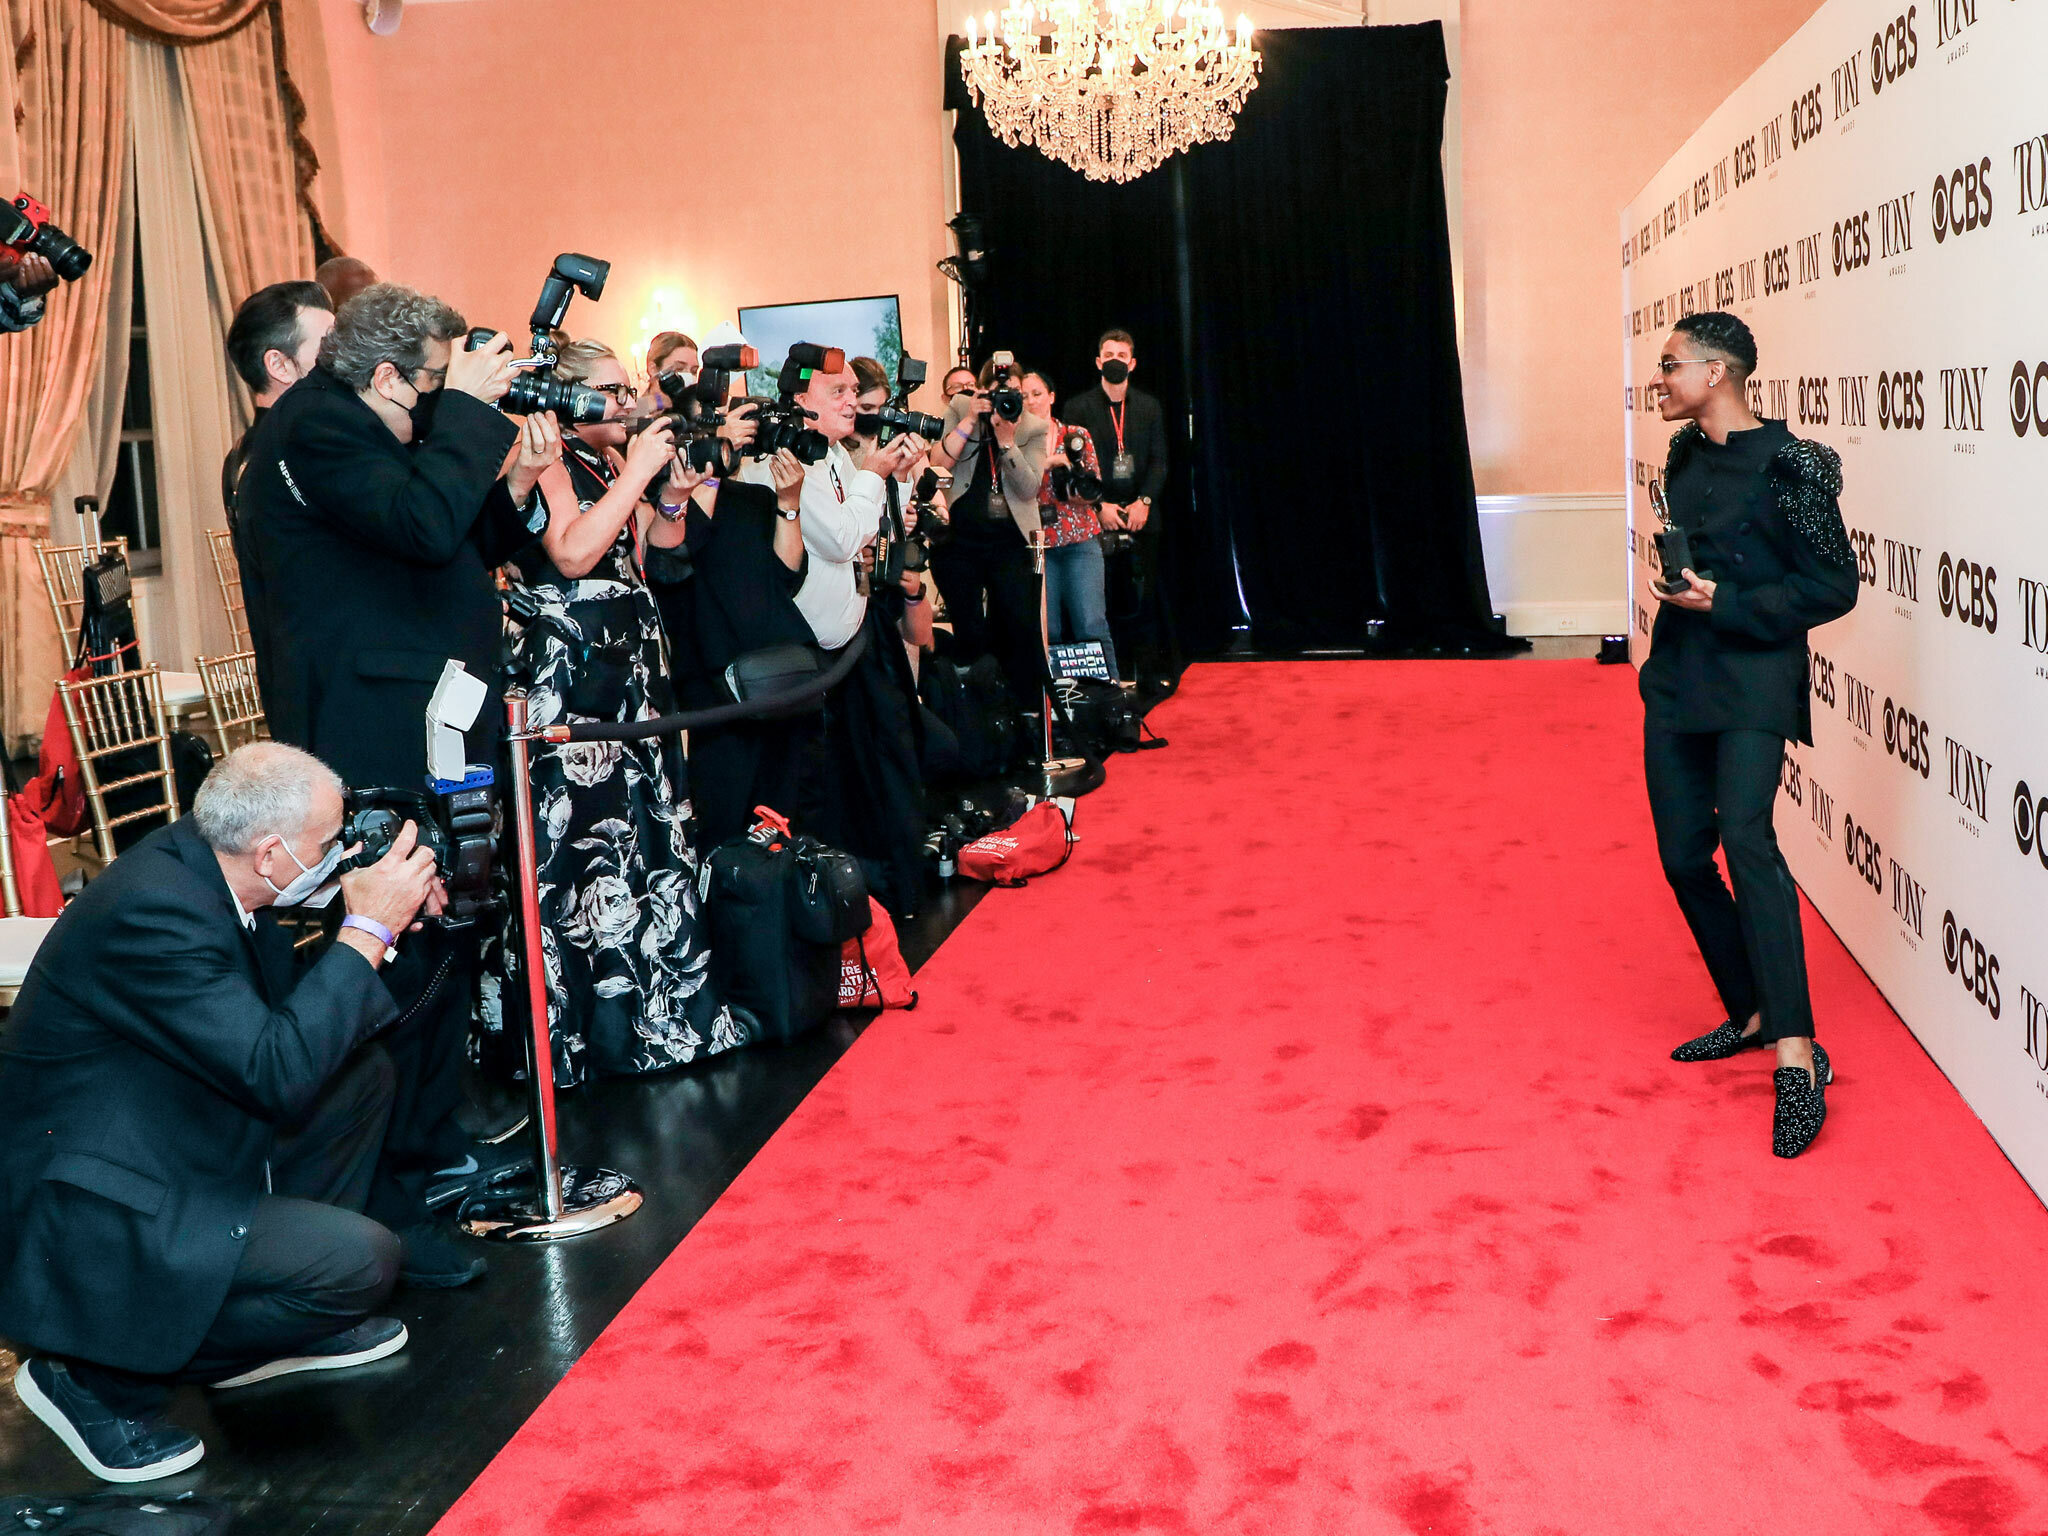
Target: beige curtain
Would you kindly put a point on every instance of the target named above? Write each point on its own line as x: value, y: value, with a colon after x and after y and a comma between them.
x: 257, y: 232
x: 178, y: 21
x: 63, y: 83
x: 188, y: 377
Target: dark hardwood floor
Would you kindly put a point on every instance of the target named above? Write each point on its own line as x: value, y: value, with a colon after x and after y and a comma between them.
x: 386, y: 1449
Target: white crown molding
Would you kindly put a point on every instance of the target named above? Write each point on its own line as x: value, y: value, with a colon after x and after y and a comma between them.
x: 1605, y: 502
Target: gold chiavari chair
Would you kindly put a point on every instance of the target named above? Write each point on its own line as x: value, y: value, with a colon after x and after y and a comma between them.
x: 228, y: 572
x: 232, y: 699
x: 63, y: 571
x: 114, y: 715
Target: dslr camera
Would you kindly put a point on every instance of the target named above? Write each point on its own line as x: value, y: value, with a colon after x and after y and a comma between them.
x: 1071, y: 480
x: 696, y: 412
x: 784, y: 423
x: 25, y: 229
x: 1004, y: 398
x: 539, y: 390
x: 896, y: 418
x: 454, y: 822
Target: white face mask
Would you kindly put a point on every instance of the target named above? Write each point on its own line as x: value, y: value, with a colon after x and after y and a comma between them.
x: 307, y: 881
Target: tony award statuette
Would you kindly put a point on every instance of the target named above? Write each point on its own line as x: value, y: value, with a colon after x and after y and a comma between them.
x: 1674, y: 549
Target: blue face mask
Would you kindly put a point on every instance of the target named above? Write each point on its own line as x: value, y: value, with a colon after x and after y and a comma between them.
x: 307, y: 881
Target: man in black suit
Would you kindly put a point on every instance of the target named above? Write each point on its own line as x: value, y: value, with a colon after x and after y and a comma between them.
x: 186, y: 1135
x: 372, y: 515
x: 274, y: 343
x: 1129, y: 431
x: 1726, y: 686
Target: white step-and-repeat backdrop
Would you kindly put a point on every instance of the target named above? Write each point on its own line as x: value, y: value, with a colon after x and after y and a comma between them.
x: 1874, y: 203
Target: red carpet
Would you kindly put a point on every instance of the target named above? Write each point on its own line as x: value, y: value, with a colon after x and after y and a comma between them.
x: 1304, y: 1157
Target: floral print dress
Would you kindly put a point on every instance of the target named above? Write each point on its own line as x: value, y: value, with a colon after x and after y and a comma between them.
x: 628, y: 973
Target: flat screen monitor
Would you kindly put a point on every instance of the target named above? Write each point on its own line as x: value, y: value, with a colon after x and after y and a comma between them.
x: 871, y: 327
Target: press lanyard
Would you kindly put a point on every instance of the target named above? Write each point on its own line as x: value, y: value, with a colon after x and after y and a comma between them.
x: 1116, y: 419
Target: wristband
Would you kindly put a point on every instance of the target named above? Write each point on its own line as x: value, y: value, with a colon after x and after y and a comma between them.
x: 670, y: 511
x: 912, y: 599
x: 710, y: 480
x: 375, y: 930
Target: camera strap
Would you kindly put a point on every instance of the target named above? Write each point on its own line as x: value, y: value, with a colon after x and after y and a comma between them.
x: 1116, y: 420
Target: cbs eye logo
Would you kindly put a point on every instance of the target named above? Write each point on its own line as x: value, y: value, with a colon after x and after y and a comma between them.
x: 2030, y: 822
x: 1970, y: 963
x: 2029, y: 395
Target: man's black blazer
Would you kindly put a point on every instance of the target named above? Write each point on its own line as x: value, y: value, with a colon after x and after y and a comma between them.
x: 1144, y: 440
x: 155, y: 1051
x: 366, y: 565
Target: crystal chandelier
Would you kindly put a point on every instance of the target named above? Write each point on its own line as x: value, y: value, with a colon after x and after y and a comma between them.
x: 1109, y: 87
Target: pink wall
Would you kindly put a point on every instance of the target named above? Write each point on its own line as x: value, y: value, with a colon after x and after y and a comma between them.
x: 723, y: 151
x: 1569, y: 108
x: 759, y: 151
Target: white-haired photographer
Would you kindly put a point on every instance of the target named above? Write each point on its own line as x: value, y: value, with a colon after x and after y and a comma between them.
x: 188, y: 1130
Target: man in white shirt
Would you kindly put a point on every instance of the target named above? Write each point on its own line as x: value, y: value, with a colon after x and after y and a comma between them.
x: 841, y: 510
x: 872, y: 798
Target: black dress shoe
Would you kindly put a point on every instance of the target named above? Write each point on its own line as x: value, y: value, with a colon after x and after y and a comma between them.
x: 1802, y: 1105
x: 371, y: 1339
x: 1717, y: 1044
x: 114, y: 1449
x: 436, y: 1260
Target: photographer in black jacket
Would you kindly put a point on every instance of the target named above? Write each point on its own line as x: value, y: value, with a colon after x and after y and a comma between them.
x: 188, y: 1128
x: 1725, y: 687
x: 372, y: 515
x: 1129, y: 432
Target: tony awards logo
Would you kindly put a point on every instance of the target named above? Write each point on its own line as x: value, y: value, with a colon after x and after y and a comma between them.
x: 1674, y: 549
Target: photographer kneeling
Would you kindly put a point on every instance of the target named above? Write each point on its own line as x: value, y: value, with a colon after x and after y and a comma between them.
x: 187, y: 1131
x: 373, y: 516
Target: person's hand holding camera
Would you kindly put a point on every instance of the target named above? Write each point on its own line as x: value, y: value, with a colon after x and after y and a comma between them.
x: 742, y: 426
x: 485, y: 373
x: 391, y: 892
x: 897, y: 454
x: 1111, y: 516
x: 32, y: 276
x: 1135, y: 514
x: 539, y: 445
x: 787, y: 471
x: 1005, y: 430
x: 648, y: 452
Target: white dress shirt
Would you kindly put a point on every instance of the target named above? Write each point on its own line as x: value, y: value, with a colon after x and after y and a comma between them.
x: 841, y: 510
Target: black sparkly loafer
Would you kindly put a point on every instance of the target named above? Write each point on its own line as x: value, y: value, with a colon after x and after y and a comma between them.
x: 1823, y: 1069
x: 1719, y: 1043
x: 1802, y: 1106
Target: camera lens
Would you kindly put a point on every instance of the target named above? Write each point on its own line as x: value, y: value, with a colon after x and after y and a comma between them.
x: 64, y: 253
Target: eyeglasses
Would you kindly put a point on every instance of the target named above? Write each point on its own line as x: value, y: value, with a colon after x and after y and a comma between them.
x: 1673, y: 364
x: 619, y: 392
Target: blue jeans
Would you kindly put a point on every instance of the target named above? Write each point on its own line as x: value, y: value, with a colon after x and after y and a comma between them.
x: 1076, y: 605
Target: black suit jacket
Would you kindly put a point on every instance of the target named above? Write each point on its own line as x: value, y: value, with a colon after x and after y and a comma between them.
x: 1783, y: 566
x: 1144, y: 440
x: 366, y: 565
x: 726, y: 592
x: 156, y: 1049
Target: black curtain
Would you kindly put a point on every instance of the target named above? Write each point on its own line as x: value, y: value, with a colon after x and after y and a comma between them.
x: 1291, y: 288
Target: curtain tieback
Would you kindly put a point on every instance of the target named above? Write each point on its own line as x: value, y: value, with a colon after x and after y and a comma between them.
x: 24, y: 514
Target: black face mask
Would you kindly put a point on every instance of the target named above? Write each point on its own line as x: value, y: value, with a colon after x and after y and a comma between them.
x: 1116, y: 370
x: 422, y: 413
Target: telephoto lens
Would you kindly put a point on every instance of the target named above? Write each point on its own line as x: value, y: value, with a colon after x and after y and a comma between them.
x: 532, y: 393
x: 890, y: 421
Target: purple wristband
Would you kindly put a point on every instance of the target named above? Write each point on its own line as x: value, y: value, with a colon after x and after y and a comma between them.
x: 374, y: 929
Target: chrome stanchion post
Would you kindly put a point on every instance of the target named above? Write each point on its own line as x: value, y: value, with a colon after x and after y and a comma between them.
x: 1060, y: 772
x: 557, y: 1200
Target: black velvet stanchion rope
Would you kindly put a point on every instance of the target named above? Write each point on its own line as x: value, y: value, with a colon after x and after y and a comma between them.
x: 721, y: 714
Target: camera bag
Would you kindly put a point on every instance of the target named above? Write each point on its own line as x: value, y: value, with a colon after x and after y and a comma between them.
x: 773, y: 670
x: 974, y: 703
x: 776, y: 981
x: 829, y: 896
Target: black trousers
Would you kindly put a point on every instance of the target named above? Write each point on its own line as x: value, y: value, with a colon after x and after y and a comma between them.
x: 992, y: 600
x: 433, y: 981
x: 1139, y: 618
x: 1718, y: 787
x: 311, y: 1266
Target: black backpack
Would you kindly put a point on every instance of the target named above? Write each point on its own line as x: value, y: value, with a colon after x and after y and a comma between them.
x: 776, y: 909
x: 975, y: 705
x: 113, y: 1514
x: 1100, y: 718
